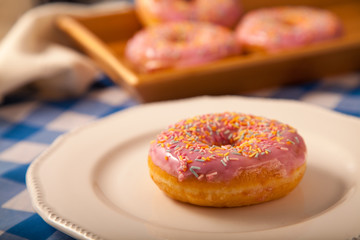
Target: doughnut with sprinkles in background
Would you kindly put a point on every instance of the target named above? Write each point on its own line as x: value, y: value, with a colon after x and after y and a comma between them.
x: 227, y: 160
x: 179, y: 45
x: 279, y: 28
x: 223, y: 12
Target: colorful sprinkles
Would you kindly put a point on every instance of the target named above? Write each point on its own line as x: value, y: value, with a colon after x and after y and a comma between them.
x: 220, y: 139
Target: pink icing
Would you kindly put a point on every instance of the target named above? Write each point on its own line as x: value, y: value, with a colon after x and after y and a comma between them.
x: 215, y: 147
x: 278, y: 28
x: 222, y: 12
x: 180, y: 44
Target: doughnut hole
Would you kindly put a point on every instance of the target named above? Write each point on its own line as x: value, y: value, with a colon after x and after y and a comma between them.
x: 215, y: 136
x: 215, y: 133
x: 292, y: 21
x: 177, y: 38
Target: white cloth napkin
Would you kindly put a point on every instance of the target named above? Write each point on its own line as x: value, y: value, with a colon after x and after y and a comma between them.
x: 36, y: 52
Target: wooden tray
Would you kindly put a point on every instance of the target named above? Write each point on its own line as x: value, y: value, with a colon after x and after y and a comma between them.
x: 103, y: 38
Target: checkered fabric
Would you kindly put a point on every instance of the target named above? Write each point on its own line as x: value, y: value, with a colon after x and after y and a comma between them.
x: 27, y: 127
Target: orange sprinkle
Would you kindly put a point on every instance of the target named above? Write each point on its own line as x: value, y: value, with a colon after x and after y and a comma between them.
x: 253, y: 154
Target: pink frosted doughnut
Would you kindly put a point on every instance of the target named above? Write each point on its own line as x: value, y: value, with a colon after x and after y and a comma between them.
x: 223, y: 12
x: 179, y: 44
x: 279, y: 28
x: 227, y: 159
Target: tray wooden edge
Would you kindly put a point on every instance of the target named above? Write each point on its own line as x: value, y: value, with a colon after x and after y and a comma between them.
x: 102, y: 54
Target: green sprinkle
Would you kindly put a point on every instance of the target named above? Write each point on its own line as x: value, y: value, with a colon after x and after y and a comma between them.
x: 242, y: 136
x: 236, y: 153
x: 193, y: 171
x: 223, y: 162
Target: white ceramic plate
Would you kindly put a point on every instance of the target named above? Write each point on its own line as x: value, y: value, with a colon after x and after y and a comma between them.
x: 94, y: 183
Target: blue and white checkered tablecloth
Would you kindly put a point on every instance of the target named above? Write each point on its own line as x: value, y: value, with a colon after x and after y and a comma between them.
x: 29, y: 126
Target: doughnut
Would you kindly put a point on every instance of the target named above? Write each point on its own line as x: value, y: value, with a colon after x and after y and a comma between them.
x: 179, y: 45
x: 222, y: 12
x: 227, y: 160
x: 279, y: 28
